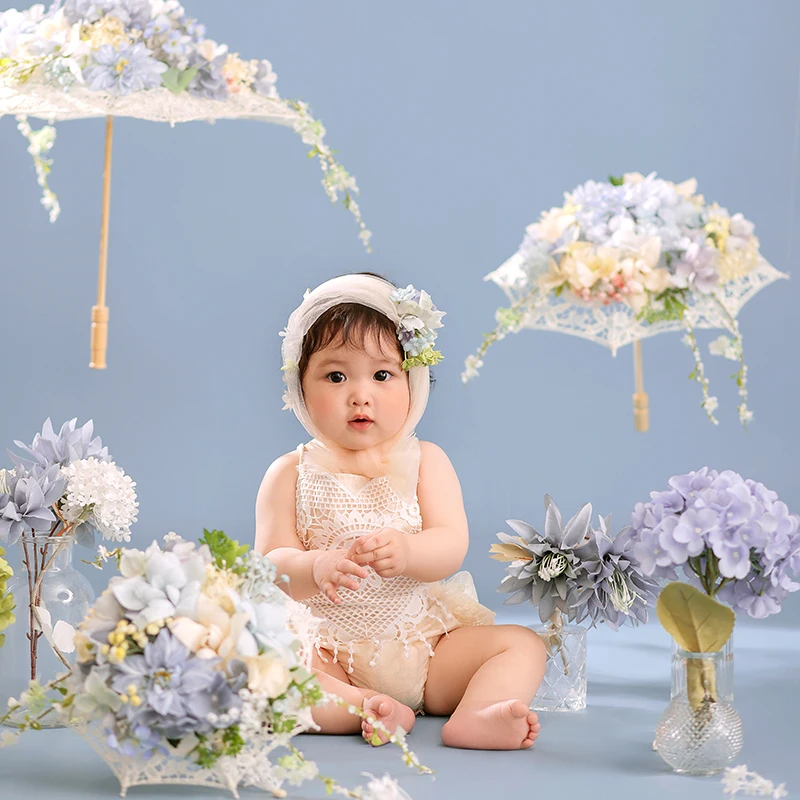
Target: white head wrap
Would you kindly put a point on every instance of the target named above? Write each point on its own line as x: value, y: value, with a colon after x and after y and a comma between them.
x: 401, y: 462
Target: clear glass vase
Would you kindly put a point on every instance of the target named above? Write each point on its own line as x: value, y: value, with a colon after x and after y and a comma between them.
x: 699, y: 733
x: 563, y: 687
x: 44, y: 580
x: 724, y: 672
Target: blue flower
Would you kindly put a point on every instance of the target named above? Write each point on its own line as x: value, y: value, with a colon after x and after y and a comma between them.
x: 133, y: 13
x: 209, y: 82
x: 120, y: 72
x: 178, y: 690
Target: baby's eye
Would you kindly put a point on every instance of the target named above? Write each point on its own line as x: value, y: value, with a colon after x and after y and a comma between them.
x: 382, y: 375
x: 336, y: 377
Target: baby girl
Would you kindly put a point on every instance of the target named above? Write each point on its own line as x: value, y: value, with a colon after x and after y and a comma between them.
x: 367, y: 522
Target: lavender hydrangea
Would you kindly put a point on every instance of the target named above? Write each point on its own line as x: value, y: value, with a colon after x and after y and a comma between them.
x: 732, y: 537
x: 132, y: 13
x: 178, y: 690
x: 120, y: 71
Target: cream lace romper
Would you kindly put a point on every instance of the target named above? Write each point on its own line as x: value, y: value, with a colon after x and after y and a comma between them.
x: 384, y: 634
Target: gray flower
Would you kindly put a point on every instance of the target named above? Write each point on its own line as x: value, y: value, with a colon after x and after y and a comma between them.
x: 209, y: 82
x: 544, y: 569
x: 28, y: 503
x: 68, y: 445
x: 612, y: 588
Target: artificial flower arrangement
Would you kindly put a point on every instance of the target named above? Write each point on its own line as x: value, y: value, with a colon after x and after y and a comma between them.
x: 577, y: 573
x: 419, y: 321
x: 574, y: 571
x: 649, y: 245
x: 735, y: 542
x: 64, y: 488
x: 192, y: 667
x: 118, y: 48
x: 7, y: 605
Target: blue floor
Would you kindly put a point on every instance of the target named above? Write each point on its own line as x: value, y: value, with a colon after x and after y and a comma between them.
x: 604, y: 752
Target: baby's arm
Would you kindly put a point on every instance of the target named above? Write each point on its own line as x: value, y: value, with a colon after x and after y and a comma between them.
x: 309, y: 571
x: 439, y: 550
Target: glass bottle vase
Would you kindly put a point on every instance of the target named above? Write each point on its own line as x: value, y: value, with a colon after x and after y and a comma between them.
x: 699, y: 733
x: 563, y: 687
x: 44, y: 583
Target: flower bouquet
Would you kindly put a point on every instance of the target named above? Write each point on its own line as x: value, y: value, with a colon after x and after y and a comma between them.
x: 193, y: 667
x: 735, y: 541
x: 63, y: 489
x: 575, y: 572
x: 629, y: 258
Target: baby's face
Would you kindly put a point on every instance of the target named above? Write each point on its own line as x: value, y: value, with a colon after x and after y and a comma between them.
x: 357, y: 399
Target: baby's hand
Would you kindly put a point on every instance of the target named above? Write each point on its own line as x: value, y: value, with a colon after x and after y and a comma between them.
x: 385, y: 551
x: 334, y: 569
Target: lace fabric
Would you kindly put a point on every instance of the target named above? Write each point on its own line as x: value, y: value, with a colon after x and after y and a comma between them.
x: 333, y: 509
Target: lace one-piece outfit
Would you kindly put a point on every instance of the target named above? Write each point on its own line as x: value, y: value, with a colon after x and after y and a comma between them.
x: 384, y: 634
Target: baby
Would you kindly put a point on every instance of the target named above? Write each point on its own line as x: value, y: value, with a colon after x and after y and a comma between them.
x: 367, y: 522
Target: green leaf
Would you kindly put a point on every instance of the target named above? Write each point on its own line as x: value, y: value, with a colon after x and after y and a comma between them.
x: 223, y: 549
x: 698, y: 623
x: 614, y: 181
x: 178, y: 80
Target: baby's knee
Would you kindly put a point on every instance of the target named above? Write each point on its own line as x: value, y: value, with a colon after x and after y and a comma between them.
x: 525, y: 641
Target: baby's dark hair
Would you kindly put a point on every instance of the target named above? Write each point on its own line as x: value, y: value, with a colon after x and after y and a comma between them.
x: 348, y: 324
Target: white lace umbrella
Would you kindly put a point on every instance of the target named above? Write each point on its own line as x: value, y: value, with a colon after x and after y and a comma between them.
x: 617, y: 325
x: 49, y: 76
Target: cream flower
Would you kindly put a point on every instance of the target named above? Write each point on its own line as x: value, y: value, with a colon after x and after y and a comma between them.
x: 239, y: 74
x: 552, y: 224
x: 267, y: 674
x: 209, y: 49
x: 215, y: 632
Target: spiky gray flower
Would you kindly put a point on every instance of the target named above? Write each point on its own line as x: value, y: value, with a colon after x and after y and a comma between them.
x: 611, y: 587
x: 544, y: 569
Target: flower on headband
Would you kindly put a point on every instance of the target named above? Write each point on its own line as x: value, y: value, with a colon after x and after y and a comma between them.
x: 419, y: 319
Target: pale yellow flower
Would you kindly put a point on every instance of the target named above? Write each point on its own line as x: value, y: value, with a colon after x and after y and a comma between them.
x: 238, y: 73
x: 552, y: 224
x: 214, y: 633
x: 267, y: 675
x: 107, y: 30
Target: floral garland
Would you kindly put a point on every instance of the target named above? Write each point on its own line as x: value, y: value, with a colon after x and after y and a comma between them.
x: 642, y: 242
x: 122, y: 47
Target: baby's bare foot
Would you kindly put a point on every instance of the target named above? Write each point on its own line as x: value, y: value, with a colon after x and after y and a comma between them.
x: 507, y: 725
x: 388, y: 711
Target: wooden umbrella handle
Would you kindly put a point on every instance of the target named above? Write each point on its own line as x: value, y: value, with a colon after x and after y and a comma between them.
x: 100, y: 311
x: 641, y: 410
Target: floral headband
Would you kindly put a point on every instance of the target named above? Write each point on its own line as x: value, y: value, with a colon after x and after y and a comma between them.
x: 416, y: 330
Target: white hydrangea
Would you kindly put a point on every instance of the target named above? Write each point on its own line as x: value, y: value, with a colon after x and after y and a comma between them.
x: 100, y: 493
x: 385, y: 788
x: 739, y: 779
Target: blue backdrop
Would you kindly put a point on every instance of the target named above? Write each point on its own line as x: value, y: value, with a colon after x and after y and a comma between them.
x: 461, y: 123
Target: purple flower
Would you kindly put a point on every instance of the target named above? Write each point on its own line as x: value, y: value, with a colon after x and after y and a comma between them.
x: 68, y: 445
x: 693, y: 527
x: 133, y: 13
x: 697, y: 268
x: 264, y: 81
x: 178, y: 690
x: 734, y: 539
x: 209, y: 82
x: 121, y: 71
x: 27, y: 506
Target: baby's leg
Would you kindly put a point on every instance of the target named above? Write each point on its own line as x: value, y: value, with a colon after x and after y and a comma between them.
x: 337, y: 719
x: 486, y: 677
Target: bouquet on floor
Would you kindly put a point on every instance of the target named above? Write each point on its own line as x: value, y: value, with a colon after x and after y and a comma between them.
x: 193, y: 666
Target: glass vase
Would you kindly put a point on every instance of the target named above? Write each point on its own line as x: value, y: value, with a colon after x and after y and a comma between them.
x: 699, y: 733
x: 724, y: 672
x: 563, y: 687
x: 44, y: 584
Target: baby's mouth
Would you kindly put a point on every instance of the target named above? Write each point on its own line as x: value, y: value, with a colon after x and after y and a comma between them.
x: 360, y: 423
